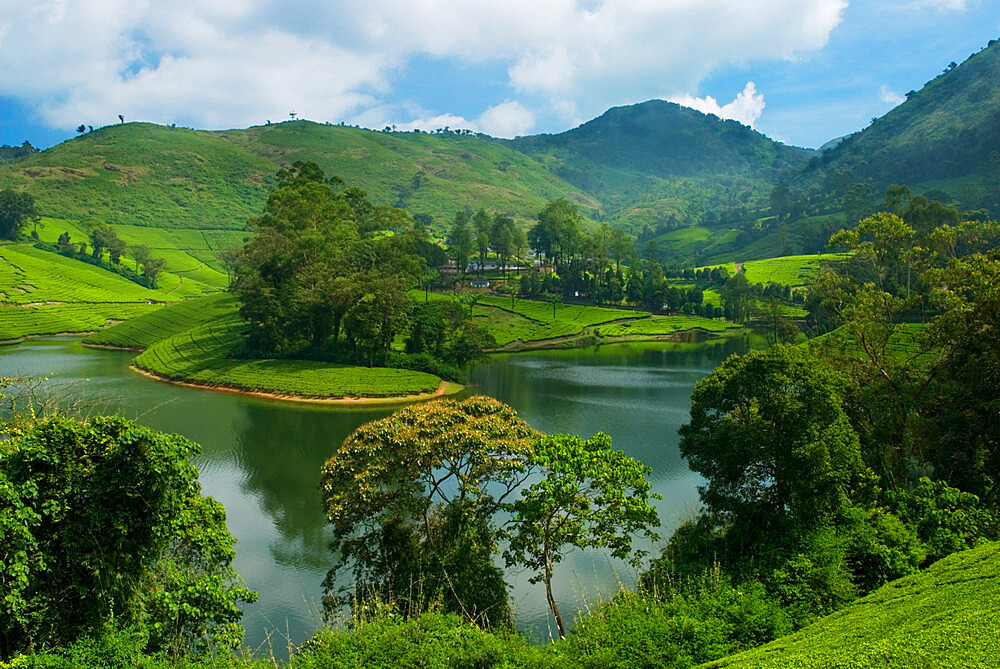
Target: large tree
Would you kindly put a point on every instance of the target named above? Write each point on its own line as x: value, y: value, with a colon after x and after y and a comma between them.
x: 769, y: 434
x: 411, y: 499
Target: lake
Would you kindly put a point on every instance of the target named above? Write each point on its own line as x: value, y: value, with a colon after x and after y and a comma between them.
x: 261, y: 458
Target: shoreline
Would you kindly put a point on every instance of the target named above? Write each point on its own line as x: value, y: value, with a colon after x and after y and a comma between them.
x: 444, y: 389
x: 24, y: 338
x: 586, y: 338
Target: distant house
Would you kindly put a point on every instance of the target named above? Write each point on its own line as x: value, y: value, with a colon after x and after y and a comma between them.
x: 479, y: 283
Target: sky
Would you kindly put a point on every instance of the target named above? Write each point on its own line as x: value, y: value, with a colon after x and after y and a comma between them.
x: 800, y: 71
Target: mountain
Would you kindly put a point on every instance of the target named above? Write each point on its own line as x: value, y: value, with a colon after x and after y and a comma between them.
x: 650, y: 163
x: 944, y: 138
x: 658, y: 161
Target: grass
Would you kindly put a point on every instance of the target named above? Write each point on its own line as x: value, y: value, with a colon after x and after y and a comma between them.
x: 533, y: 321
x: 191, y: 255
x: 166, y: 321
x: 789, y: 270
x: 946, y: 616
x: 201, y: 355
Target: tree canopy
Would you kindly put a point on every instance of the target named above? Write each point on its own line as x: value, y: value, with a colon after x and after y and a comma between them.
x: 103, y: 521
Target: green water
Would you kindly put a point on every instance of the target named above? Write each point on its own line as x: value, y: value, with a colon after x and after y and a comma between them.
x: 261, y: 459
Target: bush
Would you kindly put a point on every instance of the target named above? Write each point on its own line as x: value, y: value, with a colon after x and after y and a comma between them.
x: 709, y: 619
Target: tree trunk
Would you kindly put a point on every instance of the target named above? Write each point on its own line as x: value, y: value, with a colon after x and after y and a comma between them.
x: 550, y: 598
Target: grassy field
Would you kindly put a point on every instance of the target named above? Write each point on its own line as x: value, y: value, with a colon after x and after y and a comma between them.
x: 57, y: 294
x: 945, y: 616
x: 200, y: 355
x: 532, y: 320
x: 166, y: 321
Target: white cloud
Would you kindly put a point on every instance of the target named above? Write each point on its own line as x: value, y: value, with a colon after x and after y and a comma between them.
x: 746, y: 108
x: 232, y: 62
x: 889, y: 96
x: 508, y: 119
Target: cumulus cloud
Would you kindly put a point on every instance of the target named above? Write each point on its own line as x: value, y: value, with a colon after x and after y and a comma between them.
x: 746, y: 108
x: 889, y: 96
x: 235, y: 62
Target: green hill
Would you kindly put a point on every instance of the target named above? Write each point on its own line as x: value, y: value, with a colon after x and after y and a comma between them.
x: 944, y: 137
x: 141, y: 174
x: 658, y: 162
x: 945, y: 616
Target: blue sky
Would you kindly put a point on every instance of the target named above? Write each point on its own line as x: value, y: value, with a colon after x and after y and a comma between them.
x: 801, y: 71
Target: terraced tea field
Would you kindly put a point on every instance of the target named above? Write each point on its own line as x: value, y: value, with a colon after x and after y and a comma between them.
x: 945, y: 616
x: 18, y: 321
x: 200, y: 355
x: 166, y: 321
x: 191, y: 255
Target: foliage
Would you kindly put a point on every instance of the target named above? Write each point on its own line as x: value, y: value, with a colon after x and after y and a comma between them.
x: 702, y: 620
x: 101, y: 520
x: 16, y: 210
x: 323, y: 258
x: 590, y: 496
x: 413, y: 495
x: 768, y: 433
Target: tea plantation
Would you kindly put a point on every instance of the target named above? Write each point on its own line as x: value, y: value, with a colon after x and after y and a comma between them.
x: 946, y: 616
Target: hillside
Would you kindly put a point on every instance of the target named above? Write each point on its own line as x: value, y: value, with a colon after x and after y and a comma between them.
x: 945, y: 616
x: 658, y: 162
x: 944, y: 137
x: 143, y: 174
x: 646, y: 164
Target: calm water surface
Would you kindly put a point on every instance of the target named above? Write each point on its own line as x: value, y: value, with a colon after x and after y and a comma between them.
x: 261, y: 459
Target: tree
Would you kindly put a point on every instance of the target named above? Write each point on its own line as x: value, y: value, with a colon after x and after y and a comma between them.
x: 317, y: 251
x: 104, y: 520
x: 591, y: 496
x: 770, y: 435
x: 411, y: 499
x: 737, y: 298
x: 140, y: 253
x: 481, y: 225
x: 103, y: 236
x: 81, y: 128
x: 16, y: 209
x: 151, y: 270
x: 557, y: 230
x: 460, y: 242
x: 121, y: 118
